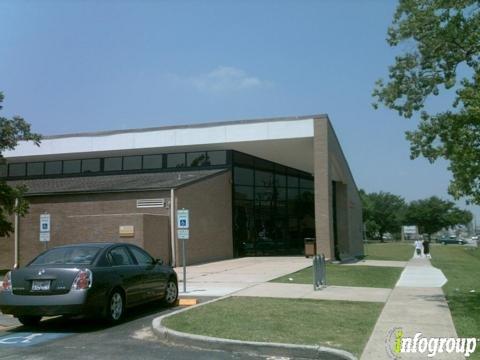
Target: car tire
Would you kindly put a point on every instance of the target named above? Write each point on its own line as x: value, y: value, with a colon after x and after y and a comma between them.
x: 460, y: 243
x: 171, y: 293
x: 115, y: 307
x: 30, y: 320
x: 444, y: 243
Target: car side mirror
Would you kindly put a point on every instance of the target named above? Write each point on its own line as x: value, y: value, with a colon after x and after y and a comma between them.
x: 159, y: 261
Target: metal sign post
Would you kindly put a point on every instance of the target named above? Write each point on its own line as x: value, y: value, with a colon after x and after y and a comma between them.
x: 183, y: 233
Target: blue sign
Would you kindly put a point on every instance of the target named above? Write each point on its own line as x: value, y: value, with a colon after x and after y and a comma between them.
x: 183, y: 219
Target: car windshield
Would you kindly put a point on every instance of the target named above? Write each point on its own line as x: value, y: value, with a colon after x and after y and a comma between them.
x: 67, y: 256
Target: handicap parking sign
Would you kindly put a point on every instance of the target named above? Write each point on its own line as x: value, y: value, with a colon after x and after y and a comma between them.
x: 183, y: 219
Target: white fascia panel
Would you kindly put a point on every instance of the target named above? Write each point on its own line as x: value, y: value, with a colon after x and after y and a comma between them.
x: 168, y: 138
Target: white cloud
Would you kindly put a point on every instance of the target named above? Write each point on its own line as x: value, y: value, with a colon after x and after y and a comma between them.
x: 223, y: 79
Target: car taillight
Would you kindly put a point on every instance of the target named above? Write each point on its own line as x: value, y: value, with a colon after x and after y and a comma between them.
x: 7, y: 282
x: 83, y: 280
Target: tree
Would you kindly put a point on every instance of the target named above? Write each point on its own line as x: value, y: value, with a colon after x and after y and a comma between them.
x: 442, y: 38
x: 433, y: 214
x: 382, y: 213
x: 11, y: 198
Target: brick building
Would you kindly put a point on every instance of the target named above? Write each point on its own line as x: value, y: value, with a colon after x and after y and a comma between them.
x: 253, y: 188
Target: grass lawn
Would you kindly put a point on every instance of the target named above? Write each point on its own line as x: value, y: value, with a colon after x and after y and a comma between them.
x: 389, y: 251
x: 461, y: 266
x: 342, y: 275
x: 340, y: 324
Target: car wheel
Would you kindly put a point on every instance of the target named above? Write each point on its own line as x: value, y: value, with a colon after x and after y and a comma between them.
x: 30, y: 320
x: 460, y: 243
x: 171, y: 293
x: 444, y: 243
x: 115, y: 306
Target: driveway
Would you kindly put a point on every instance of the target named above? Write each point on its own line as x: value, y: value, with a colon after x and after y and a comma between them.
x: 228, y: 276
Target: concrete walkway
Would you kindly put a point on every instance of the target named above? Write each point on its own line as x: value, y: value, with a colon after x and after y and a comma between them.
x: 305, y: 291
x: 383, y: 263
x: 225, y: 277
x: 416, y: 305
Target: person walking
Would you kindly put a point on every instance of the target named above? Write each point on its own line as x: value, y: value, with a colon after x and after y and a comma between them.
x: 426, y: 248
x: 418, y: 248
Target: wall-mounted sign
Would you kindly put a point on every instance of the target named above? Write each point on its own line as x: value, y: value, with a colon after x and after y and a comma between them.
x: 183, y: 234
x: 410, y: 230
x: 44, y: 237
x: 126, y: 230
x: 183, y: 219
x: 44, y: 222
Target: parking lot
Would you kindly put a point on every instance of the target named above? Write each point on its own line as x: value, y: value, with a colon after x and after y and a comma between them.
x: 60, y: 338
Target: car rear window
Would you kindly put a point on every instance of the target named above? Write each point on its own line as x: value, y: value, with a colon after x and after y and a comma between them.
x: 67, y: 256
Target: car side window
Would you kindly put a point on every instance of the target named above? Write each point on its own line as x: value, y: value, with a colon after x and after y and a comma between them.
x: 119, y: 256
x: 142, y: 257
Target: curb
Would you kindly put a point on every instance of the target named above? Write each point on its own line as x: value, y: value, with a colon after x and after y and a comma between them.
x: 258, y: 348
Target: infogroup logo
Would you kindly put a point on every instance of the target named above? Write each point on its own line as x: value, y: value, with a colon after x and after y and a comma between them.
x: 396, y: 343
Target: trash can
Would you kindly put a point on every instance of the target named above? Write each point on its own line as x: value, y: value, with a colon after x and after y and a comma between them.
x: 310, y: 247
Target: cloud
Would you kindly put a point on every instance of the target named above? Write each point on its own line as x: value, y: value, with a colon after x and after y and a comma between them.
x: 223, y: 79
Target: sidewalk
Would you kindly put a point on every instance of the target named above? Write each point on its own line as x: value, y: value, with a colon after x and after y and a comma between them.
x: 416, y: 305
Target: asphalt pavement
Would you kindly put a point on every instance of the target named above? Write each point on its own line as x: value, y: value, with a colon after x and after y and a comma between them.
x: 60, y: 339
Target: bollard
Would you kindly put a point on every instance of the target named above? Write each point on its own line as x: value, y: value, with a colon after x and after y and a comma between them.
x: 319, y: 272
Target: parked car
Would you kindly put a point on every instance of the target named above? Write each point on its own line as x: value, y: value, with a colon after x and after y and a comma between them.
x: 91, y: 279
x: 450, y: 240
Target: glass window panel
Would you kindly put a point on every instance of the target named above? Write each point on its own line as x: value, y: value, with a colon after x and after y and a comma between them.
x: 280, y: 180
x: 132, y: 162
x: 217, y: 157
x: 176, y: 160
x: 263, y: 178
x: 152, y: 161
x: 292, y: 194
x: 264, y: 165
x: 281, y: 193
x: 243, y: 192
x: 71, y: 166
x: 263, y: 193
x: 292, y: 181
x: 243, y: 176
x: 242, y: 159
x: 35, y: 169
x: 16, y: 169
x: 53, y: 168
x: 112, y: 164
x: 90, y: 165
x: 307, y: 184
x: 197, y: 159
x: 3, y: 170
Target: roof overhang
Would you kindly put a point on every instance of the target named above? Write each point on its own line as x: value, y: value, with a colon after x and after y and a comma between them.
x: 288, y: 141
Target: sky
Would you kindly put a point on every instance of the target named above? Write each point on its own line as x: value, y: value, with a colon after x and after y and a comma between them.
x: 76, y: 66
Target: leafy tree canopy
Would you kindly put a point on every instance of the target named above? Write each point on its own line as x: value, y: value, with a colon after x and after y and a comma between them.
x: 433, y: 214
x: 382, y: 213
x: 442, y: 42
x: 11, y: 132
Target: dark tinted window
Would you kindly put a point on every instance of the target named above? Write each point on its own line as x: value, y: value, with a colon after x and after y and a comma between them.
x: 197, y: 159
x: 53, y: 167
x: 71, y: 166
x: 243, y: 192
x: 175, y: 160
x: 90, y: 165
x: 35, y: 169
x: 243, y: 176
x: 67, y: 255
x: 292, y: 181
x: 263, y: 178
x: 152, y: 161
x: 119, y: 256
x: 217, y: 157
x: 112, y: 164
x: 307, y: 184
x: 3, y: 170
x: 132, y: 163
x: 280, y: 180
x: 142, y: 257
x: 16, y: 170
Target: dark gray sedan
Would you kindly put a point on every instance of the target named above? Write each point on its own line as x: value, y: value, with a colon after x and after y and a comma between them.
x: 92, y: 279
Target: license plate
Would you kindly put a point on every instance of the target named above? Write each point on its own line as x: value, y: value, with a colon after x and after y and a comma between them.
x: 41, y: 285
